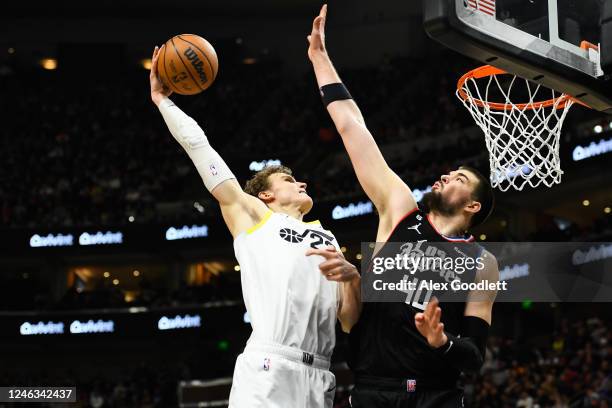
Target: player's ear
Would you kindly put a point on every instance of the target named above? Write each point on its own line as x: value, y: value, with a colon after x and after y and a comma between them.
x: 266, y: 196
x: 473, y: 207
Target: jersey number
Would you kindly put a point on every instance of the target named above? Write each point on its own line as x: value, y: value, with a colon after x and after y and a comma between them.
x: 416, y: 296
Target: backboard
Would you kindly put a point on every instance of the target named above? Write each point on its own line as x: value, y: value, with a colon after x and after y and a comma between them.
x: 565, y: 45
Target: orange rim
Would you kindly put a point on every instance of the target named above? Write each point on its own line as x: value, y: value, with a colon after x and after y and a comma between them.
x: 488, y: 70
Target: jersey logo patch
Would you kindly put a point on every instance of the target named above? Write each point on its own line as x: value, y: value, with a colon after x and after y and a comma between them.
x: 318, y: 238
x: 307, y: 358
x: 416, y: 228
x: 213, y: 170
x: 266, y: 364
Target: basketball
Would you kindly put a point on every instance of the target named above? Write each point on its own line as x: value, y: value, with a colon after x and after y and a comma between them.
x: 187, y: 64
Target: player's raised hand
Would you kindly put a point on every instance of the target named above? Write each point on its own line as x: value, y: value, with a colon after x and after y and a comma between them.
x: 316, y: 39
x: 429, y: 325
x: 335, y: 267
x: 158, y: 89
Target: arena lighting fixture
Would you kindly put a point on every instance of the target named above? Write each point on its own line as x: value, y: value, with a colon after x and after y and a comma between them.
x: 11, y: 50
x: 136, y: 273
x: 131, y: 218
x: 223, y: 345
x: 199, y: 207
x: 358, y: 256
x: 598, y: 129
x: 483, y: 237
x: 343, y: 249
x: 607, y: 210
x: 106, y: 274
x: 237, y: 268
x: 562, y: 224
x: 115, y: 282
x: 49, y: 63
x: 146, y: 63
x: 586, y: 203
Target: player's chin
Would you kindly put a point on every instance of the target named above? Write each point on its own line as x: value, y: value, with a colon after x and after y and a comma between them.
x: 306, y: 203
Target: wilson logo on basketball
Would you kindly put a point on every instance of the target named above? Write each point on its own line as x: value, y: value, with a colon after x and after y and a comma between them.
x: 197, y: 63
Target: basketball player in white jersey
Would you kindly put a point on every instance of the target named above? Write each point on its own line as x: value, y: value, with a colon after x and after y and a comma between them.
x: 295, y: 281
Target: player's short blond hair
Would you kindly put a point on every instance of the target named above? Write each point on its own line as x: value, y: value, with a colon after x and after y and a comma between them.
x: 260, y: 182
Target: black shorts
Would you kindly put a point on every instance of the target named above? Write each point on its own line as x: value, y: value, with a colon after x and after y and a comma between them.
x: 386, y: 393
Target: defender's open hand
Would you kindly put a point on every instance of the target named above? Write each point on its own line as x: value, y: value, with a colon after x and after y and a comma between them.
x: 316, y: 39
x: 429, y: 325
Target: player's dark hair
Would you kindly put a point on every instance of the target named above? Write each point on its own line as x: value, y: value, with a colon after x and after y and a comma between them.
x: 259, y: 182
x: 483, y: 193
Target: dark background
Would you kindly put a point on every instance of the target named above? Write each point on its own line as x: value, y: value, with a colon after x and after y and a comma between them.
x: 82, y: 148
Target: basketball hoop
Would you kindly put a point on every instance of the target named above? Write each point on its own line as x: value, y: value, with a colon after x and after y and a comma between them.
x: 522, y: 138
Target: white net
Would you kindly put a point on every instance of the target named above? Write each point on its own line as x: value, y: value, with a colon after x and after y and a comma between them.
x: 522, y: 139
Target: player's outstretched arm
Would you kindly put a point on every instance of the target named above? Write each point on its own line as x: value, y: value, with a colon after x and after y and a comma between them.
x: 240, y: 210
x: 388, y: 192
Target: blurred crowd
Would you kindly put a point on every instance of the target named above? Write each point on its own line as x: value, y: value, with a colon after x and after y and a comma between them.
x: 569, y: 368
x: 31, y: 292
x: 142, y: 387
x: 99, y: 153
x: 225, y: 286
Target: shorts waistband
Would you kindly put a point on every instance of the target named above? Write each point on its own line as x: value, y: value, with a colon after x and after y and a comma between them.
x: 404, y: 384
x: 290, y: 353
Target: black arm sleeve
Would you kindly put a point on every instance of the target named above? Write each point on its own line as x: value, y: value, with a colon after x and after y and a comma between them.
x: 467, y: 353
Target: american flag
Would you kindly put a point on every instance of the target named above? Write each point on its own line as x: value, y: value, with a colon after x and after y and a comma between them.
x: 485, y: 6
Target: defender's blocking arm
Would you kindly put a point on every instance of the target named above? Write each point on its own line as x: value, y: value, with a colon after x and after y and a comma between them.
x: 388, y: 192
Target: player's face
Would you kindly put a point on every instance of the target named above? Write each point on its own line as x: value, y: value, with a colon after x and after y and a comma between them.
x: 455, y: 189
x: 287, y: 190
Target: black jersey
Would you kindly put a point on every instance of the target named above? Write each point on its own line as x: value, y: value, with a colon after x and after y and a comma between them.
x: 385, y: 342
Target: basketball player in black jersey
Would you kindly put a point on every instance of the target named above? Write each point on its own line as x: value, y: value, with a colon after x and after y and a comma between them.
x: 408, y: 354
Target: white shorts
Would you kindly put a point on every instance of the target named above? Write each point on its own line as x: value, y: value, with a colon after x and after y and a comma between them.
x: 275, y: 376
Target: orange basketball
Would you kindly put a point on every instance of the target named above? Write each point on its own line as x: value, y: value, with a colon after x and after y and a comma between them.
x: 187, y: 64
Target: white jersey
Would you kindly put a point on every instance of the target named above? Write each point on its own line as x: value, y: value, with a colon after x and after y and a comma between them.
x: 287, y: 298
